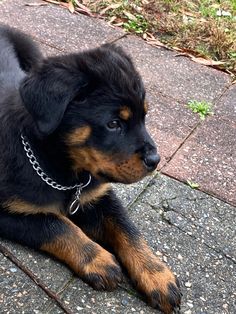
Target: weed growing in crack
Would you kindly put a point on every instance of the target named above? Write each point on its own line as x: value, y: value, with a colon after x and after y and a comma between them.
x: 203, y: 108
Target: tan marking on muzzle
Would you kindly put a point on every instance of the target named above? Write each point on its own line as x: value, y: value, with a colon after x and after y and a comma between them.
x: 120, y: 169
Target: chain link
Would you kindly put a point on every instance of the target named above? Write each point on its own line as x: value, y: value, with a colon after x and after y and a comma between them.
x: 36, y: 166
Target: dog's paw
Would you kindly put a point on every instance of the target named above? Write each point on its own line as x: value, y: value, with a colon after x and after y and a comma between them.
x: 102, y: 272
x: 161, y: 288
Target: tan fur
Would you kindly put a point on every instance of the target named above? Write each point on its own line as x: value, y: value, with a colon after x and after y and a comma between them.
x: 125, y: 113
x: 79, y: 135
x: 95, y: 194
x: 143, y: 266
x: 69, y: 249
x: 145, y: 107
x: 23, y: 207
x: 94, y: 161
x: 68, y: 246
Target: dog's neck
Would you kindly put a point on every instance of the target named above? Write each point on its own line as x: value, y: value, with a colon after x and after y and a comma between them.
x: 50, y: 153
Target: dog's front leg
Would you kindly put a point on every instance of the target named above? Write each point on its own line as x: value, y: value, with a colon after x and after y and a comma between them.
x: 107, y: 222
x: 58, y: 236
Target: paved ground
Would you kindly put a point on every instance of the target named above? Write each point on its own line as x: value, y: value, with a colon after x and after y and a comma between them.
x: 193, y: 231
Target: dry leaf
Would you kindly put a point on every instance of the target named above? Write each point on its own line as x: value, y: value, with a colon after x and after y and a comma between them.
x: 52, y: 1
x: 35, y: 4
x: 85, y: 12
x: 111, y: 7
x: 118, y: 24
x: 113, y: 18
x: 155, y: 43
x: 130, y: 16
x: 82, y: 9
x: 71, y: 7
x: 81, y: 6
x: 206, y: 61
x: 136, y: 7
x: 151, y: 40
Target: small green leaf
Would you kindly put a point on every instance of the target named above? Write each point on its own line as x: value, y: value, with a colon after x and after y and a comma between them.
x: 193, y: 185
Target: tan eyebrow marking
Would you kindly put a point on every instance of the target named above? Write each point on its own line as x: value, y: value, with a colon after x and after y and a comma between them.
x: 125, y: 113
x: 145, y: 106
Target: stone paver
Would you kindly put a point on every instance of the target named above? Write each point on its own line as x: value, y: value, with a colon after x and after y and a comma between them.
x: 226, y: 106
x: 54, y: 274
x: 209, y: 159
x: 188, y: 242
x: 19, y: 294
x: 176, y: 77
x: 56, y: 26
x: 205, y: 218
x: 129, y: 193
x: 169, y: 122
x: 83, y: 299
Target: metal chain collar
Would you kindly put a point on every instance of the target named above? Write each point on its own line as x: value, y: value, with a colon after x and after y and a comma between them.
x: 74, y: 206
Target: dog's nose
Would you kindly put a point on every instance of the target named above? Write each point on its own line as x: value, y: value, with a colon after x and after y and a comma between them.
x: 151, y: 161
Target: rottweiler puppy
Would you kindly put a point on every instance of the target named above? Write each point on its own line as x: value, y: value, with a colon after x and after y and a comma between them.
x: 70, y: 125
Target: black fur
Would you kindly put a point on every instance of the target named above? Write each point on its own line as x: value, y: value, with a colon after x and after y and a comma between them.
x: 47, y: 100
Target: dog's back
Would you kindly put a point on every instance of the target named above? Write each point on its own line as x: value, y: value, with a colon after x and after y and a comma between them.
x: 18, y: 54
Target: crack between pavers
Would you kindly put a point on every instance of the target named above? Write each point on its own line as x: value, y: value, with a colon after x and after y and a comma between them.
x: 224, y: 91
x: 60, y: 292
x: 52, y: 295
x: 180, y: 146
x: 218, y: 251
x: 41, y: 41
x: 134, y: 200
x: 116, y: 39
x: 199, y: 189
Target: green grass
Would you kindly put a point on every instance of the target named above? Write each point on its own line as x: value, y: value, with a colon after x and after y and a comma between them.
x: 203, y: 108
x: 192, y: 25
x: 139, y: 25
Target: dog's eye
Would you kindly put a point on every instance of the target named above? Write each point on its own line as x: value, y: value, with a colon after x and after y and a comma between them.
x: 114, y: 125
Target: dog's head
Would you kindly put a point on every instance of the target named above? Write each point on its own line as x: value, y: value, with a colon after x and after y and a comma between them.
x: 96, y: 101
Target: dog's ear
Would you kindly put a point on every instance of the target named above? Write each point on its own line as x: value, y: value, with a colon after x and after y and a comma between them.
x: 47, y: 92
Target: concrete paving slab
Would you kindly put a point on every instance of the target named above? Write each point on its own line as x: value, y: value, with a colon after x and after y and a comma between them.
x: 175, y: 76
x: 209, y: 159
x: 207, y: 277
x: 226, y: 106
x: 18, y: 293
x: 53, y: 273
x: 128, y: 193
x: 169, y: 123
x: 202, y: 216
x: 56, y: 26
x: 83, y: 299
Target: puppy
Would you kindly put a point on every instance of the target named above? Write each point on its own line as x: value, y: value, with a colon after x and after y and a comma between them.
x: 70, y: 125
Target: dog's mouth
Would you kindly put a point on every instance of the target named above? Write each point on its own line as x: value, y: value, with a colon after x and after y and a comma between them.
x: 109, y: 168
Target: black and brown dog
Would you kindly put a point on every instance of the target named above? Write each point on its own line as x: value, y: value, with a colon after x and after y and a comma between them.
x: 69, y: 121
